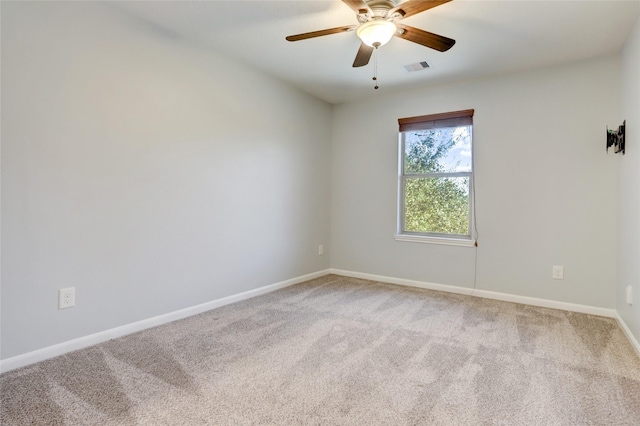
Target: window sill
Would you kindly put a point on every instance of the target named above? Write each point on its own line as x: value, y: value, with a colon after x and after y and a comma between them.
x: 460, y: 242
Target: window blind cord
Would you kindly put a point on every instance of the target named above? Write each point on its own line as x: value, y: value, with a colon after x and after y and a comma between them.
x: 475, y: 224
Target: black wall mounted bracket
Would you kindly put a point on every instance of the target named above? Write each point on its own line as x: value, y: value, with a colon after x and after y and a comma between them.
x: 615, y: 138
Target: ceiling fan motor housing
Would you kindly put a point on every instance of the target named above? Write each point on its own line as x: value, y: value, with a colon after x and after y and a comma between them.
x: 381, y: 7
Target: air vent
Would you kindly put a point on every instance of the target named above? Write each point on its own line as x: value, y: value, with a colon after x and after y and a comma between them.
x: 417, y: 66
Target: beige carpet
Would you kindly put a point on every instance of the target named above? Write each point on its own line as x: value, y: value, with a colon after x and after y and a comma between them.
x: 339, y: 350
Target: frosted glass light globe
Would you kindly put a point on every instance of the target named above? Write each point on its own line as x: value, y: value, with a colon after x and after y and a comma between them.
x: 376, y: 33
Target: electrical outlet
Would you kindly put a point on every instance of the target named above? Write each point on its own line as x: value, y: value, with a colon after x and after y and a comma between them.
x: 629, y: 295
x: 66, y: 297
x: 558, y: 272
x: 320, y: 250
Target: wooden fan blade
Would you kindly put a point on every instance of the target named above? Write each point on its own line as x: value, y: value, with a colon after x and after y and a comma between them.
x: 411, y: 7
x: 312, y: 34
x: 425, y: 38
x: 358, y: 5
x: 363, y: 55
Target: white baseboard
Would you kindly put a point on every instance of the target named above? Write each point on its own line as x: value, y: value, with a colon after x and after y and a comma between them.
x: 93, y: 339
x: 402, y: 281
x: 544, y: 303
x: 627, y: 331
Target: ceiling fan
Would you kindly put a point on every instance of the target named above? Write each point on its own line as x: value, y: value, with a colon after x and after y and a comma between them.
x: 378, y: 23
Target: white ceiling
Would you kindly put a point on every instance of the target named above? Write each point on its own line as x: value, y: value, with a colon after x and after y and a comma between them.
x: 491, y: 37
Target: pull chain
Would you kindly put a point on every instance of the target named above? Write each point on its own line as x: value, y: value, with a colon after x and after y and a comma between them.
x: 375, y: 67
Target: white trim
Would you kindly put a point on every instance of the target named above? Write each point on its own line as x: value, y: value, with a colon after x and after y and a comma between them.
x: 402, y: 281
x: 93, y: 339
x: 546, y: 303
x: 533, y: 301
x: 461, y: 242
x: 627, y: 331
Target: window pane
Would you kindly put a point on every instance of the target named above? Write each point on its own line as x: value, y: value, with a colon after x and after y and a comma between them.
x: 437, y: 205
x: 438, y: 150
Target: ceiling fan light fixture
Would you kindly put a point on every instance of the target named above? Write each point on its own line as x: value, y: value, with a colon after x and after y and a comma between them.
x: 376, y: 33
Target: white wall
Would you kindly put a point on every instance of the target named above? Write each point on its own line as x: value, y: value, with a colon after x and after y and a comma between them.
x: 149, y: 174
x: 546, y: 189
x: 629, y: 186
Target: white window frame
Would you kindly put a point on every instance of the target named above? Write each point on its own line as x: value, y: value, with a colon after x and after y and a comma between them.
x: 415, y: 123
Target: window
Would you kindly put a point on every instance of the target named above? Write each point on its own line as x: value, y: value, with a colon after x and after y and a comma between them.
x: 436, y: 178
